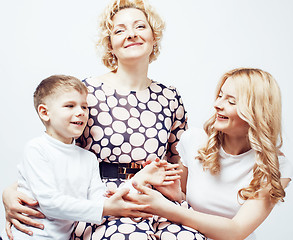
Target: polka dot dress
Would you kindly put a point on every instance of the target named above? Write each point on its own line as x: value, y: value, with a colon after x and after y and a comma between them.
x: 130, y: 126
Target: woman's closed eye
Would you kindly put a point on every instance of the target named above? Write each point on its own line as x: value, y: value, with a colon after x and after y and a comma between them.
x: 141, y: 26
x: 232, y: 102
x: 118, y: 31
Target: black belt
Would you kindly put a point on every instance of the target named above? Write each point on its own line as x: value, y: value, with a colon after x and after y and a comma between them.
x: 119, y: 170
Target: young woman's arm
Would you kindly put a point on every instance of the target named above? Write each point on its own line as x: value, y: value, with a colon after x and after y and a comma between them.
x: 249, y: 217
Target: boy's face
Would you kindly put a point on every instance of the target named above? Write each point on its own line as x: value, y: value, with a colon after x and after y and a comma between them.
x: 68, y: 114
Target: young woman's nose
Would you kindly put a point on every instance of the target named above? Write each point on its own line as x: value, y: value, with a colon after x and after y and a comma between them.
x: 218, y: 104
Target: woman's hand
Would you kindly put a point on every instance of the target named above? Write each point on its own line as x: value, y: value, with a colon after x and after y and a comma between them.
x: 173, y: 191
x: 155, y: 203
x: 157, y: 173
x: 17, y: 214
x: 120, y: 204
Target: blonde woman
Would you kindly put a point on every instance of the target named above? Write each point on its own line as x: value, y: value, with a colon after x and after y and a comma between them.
x: 233, y: 172
x: 132, y: 118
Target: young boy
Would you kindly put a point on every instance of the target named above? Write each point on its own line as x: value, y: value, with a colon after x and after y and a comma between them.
x: 63, y: 177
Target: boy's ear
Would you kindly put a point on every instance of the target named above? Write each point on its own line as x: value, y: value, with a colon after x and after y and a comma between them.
x: 43, y: 112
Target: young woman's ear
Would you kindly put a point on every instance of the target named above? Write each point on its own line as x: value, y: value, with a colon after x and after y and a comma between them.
x: 43, y: 112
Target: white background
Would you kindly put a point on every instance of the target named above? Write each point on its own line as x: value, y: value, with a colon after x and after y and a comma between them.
x: 203, y: 39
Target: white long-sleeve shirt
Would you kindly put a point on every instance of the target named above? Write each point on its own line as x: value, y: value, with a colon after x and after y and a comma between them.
x: 65, y: 180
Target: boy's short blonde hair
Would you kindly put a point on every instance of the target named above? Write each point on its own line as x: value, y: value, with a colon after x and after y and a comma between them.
x: 55, y: 84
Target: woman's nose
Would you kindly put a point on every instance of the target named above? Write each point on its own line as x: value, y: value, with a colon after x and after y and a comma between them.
x: 218, y: 104
x: 131, y: 34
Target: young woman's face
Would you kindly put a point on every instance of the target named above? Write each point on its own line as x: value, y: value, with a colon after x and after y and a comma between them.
x: 227, y: 119
x: 131, y: 37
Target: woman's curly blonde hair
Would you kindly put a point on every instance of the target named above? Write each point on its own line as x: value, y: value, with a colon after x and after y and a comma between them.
x: 259, y: 104
x: 106, y: 25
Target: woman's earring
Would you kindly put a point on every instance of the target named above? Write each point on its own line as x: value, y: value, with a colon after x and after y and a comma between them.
x: 113, y: 59
x: 155, y: 49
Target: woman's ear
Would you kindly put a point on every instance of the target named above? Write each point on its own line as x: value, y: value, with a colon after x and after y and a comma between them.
x: 43, y: 112
x: 110, y: 45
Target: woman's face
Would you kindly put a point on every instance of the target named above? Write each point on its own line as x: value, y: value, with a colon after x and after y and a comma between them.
x: 227, y: 119
x: 131, y: 37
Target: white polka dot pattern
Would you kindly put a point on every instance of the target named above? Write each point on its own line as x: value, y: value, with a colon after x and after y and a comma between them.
x: 133, y: 126
x: 137, y: 229
x: 143, y: 124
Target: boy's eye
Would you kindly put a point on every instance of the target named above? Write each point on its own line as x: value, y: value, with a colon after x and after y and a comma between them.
x: 84, y: 107
x: 141, y: 26
x: 69, y: 106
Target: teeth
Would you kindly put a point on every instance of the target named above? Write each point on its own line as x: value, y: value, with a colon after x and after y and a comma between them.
x: 223, y: 117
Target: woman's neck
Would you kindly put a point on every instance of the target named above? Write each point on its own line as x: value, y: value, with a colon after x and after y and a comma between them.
x: 236, y: 145
x: 130, y: 77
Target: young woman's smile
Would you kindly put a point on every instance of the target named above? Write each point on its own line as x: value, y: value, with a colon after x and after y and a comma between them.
x: 227, y: 118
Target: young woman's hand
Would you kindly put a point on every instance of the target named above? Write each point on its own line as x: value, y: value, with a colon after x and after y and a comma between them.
x: 120, y: 204
x: 154, y: 202
x: 17, y: 214
x: 172, y: 191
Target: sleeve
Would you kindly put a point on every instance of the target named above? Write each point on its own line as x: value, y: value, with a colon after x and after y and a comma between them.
x: 191, y: 140
x: 178, y: 127
x: 53, y: 203
x: 97, y: 188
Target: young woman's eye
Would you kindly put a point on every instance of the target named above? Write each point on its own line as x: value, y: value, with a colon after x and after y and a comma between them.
x: 118, y: 31
x: 84, y: 107
x: 232, y: 102
x: 69, y: 106
x: 141, y: 26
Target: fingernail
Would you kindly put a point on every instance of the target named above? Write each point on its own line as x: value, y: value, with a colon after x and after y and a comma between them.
x: 134, y: 183
x: 30, y: 233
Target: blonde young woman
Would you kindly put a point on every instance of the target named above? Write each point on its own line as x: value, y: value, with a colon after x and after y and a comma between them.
x: 233, y: 172
x: 132, y: 118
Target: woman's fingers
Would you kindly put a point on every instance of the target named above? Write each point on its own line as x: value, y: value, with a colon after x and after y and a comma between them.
x: 173, y: 172
x: 18, y: 225
x: 140, y: 188
x: 23, y: 219
x: 30, y: 212
x: 8, y: 230
x: 172, y: 166
x: 121, y: 193
x: 136, y: 214
x: 25, y: 199
x: 18, y: 209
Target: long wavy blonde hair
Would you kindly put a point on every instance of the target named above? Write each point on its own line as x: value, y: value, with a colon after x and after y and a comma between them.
x: 259, y: 104
x: 106, y: 24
